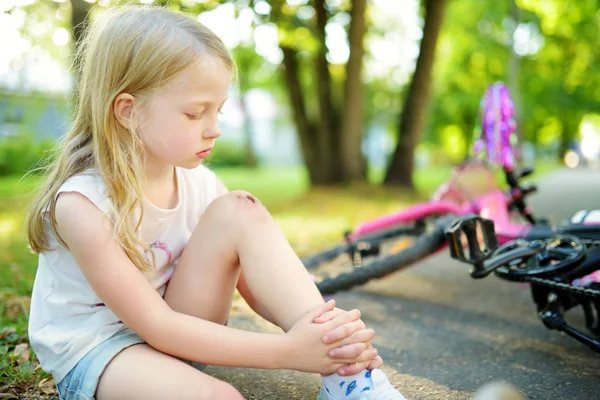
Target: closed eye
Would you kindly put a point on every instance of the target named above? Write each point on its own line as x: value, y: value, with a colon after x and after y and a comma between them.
x: 193, y: 117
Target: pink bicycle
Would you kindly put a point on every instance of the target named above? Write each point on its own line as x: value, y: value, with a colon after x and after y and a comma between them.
x: 473, y: 216
x: 390, y: 243
x: 393, y: 242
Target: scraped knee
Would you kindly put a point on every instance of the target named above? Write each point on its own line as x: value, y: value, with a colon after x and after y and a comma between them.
x: 238, y: 206
x: 244, y: 197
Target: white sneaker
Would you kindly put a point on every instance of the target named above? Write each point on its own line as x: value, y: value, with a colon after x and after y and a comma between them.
x: 382, y: 390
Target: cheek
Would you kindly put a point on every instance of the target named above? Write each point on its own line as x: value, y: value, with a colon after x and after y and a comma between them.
x: 168, y: 137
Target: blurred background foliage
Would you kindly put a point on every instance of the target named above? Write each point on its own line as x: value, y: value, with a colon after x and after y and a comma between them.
x: 362, y: 90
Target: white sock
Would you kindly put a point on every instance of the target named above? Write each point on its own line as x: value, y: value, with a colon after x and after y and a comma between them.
x: 347, y: 387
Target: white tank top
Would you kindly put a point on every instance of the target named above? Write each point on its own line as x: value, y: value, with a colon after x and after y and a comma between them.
x: 67, y: 319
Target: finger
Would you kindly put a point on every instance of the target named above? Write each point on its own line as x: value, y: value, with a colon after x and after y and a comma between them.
x: 348, y: 352
x: 361, y: 363
x: 344, y: 318
x: 377, y: 362
x: 328, y: 316
x: 332, y: 368
x: 352, y: 369
x: 343, y: 331
x: 321, y: 309
x: 360, y: 336
x: 364, y: 355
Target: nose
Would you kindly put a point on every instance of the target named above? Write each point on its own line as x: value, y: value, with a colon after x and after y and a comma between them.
x: 212, y: 131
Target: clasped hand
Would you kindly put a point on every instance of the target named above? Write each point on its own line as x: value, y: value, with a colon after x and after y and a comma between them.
x: 328, y: 340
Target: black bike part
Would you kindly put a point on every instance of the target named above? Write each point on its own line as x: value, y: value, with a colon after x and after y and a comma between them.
x: 540, y: 232
x: 477, y: 231
x: 519, y: 193
x: 587, y: 232
x: 582, y: 231
x: 596, y: 305
x: 317, y: 259
x: 557, y: 255
x: 522, y: 251
x: 426, y: 244
x: 553, y: 319
x: 524, y: 173
x: 589, y: 265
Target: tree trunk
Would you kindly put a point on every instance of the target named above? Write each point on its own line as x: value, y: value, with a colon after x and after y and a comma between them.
x: 79, y: 20
x: 321, y: 140
x: 306, y: 133
x: 251, y: 160
x: 513, y: 72
x: 413, y: 114
x: 328, y: 146
x: 352, y: 126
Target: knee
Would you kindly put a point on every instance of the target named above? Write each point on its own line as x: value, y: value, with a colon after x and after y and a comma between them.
x: 238, y: 205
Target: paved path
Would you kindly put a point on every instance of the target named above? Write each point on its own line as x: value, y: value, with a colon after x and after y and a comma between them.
x: 443, y: 334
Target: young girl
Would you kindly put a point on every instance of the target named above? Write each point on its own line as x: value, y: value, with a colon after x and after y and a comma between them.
x: 141, y: 247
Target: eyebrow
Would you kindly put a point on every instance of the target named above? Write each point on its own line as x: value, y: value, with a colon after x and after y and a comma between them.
x: 201, y: 102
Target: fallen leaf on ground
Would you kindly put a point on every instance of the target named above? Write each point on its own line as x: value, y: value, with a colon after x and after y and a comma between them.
x: 21, y: 351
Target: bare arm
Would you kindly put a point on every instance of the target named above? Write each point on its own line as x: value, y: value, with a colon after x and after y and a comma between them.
x: 114, y: 278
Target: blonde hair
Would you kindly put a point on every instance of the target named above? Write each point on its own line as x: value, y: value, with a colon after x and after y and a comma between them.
x: 129, y: 49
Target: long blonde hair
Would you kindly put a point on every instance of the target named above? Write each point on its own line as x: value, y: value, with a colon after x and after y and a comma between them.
x: 130, y: 49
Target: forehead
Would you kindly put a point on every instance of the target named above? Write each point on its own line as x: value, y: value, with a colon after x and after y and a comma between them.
x: 207, y: 79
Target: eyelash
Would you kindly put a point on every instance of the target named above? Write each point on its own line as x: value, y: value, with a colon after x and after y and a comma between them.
x: 197, y: 117
x: 193, y: 117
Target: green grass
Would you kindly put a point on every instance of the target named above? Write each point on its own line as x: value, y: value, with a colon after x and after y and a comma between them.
x: 310, y: 219
x: 273, y: 186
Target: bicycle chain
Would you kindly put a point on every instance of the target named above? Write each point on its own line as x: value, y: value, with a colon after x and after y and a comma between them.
x: 577, y: 290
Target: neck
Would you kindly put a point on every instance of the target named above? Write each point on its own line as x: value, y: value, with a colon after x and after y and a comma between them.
x: 157, y: 172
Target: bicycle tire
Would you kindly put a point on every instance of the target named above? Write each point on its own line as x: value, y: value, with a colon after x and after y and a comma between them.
x: 426, y: 244
x: 329, y: 254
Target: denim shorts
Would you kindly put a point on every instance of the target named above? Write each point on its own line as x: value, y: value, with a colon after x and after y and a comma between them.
x: 82, y: 381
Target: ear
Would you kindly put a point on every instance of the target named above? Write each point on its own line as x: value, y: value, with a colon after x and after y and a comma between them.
x: 123, y: 109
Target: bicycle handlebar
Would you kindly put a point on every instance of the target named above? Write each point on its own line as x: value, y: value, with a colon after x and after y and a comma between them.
x: 518, y: 192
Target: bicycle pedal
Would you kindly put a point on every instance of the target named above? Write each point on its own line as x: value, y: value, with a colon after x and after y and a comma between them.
x: 480, y: 238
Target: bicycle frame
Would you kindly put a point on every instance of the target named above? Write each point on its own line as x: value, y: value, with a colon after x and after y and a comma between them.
x: 493, y: 205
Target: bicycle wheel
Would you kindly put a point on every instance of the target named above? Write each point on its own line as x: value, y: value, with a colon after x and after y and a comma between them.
x: 374, y: 256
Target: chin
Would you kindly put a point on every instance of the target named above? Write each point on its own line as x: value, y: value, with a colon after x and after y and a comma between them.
x: 192, y: 164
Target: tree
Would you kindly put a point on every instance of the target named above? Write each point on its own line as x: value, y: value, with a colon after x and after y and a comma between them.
x: 564, y: 75
x: 330, y: 136
x: 79, y: 18
x: 413, y: 113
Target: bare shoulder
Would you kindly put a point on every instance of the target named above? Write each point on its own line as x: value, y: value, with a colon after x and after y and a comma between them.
x: 76, y: 213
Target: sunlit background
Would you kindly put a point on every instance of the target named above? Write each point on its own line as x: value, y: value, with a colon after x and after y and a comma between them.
x: 546, y: 56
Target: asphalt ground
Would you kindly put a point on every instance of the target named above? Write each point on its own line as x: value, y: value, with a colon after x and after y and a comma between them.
x: 442, y: 334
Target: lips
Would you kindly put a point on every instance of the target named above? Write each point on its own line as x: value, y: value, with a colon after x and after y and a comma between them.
x: 204, y: 153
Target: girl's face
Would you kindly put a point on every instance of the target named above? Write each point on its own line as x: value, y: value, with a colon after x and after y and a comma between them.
x: 180, y: 123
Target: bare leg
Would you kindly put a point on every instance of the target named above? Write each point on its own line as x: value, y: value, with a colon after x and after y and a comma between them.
x: 235, y: 234
x: 141, y: 372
